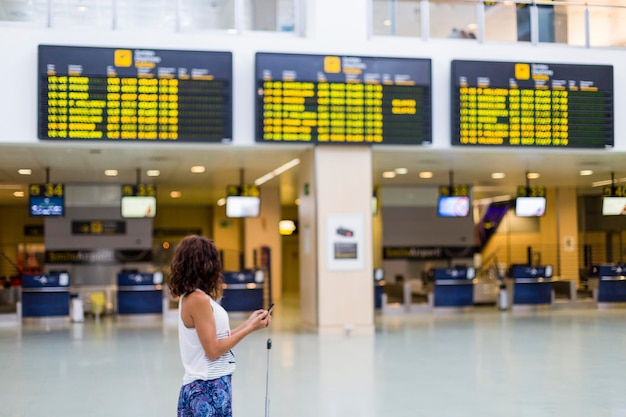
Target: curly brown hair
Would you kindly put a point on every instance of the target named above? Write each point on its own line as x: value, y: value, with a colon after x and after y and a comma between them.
x: 196, y: 265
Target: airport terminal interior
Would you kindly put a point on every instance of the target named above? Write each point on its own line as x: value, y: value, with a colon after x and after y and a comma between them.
x: 430, y: 192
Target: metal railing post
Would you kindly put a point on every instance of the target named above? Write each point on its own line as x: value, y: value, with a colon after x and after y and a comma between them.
x: 534, y: 23
x: 178, y: 15
x: 425, y: 19
x: 114, y: 14
x: 239, y: 16
x: 587, y: 28
x: 299, y: 21
x: 480, y: 21
x: 49, y: 17
x: 393, y: 11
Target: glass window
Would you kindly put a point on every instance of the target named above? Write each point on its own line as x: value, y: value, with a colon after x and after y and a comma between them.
x: 400, y: 18
x: 501, y: 22
x: 606, y: 26
x: 31, y: 11
x: 569, y: 25
x: 90, y: 13
x: 146, y: 14
x: 270, y: 15
x: 207, y: 15
x: 452, y: 19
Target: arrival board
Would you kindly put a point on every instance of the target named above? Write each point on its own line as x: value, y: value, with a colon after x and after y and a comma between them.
x: 134, y: 94
x: 532, y: 105
x: 343, y: 99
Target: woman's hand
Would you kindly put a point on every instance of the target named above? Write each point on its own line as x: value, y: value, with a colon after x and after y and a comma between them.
x: 259, y: 319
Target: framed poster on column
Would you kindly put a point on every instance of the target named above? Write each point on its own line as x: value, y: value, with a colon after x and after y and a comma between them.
x: 345, y: 242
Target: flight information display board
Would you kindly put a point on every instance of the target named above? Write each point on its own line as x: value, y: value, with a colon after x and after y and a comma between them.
x: 343, y: 99
x: 531, y: 104
x: 134, y: 94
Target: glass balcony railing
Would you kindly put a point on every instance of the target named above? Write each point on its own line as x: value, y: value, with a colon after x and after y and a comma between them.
x: 565, y: 22
x: 573, y: 23
x: 163, y: 15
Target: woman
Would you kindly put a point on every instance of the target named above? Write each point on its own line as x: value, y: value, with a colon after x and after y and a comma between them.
x: 204, y: 334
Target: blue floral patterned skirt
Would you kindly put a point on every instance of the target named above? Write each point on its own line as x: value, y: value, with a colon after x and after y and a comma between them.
x: 206, y: 398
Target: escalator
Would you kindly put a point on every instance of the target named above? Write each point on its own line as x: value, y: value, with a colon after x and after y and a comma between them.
x: 488, y: 224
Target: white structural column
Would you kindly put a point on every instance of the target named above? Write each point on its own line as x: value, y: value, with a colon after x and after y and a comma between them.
x: 567, y: 220
x: 335, y: 215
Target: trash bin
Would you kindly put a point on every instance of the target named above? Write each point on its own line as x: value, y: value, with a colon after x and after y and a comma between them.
x: 97, y: 304
x: 77, y: 310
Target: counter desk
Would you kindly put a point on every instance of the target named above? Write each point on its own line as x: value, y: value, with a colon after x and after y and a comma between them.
x: 243, y: 291
x: 532, y: 285
x: 454, y: 287
x: 139, y: 293
x: 611, y: 286
x: 46, y: 295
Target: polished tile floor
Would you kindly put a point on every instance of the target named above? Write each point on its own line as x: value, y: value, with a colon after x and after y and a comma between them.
x: 485, y: 363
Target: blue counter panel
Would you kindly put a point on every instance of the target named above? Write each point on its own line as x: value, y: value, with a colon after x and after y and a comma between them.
x: 612, y: 291
x: 378, y: 296
x: 242, y: 299
x: 140, y: 302
x: 454, y: 295
x: 45, y: 304
x: 532, y: 293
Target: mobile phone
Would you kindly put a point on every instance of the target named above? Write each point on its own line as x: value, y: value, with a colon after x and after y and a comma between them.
x: 269, y: 310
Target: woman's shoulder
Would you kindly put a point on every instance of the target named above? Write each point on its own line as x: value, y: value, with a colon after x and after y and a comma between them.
x: 197, y: 296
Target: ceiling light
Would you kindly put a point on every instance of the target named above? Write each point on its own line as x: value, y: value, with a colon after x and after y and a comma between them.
x: 198, y: 169
x: 533, y: 175
x: 387, y: 22
x: 401, y: 171
x: 586, y: 172
x: 18, y: 194
x: 498, y: 175
x: 110, y: 172
x: 285, y: 167
x: 221, y: 202
x: 175, y: 194
x: 425, y: 174
x: 607, y: 182
x: 286, y: 227
x: 472, y: 26
x: 25, y: 171
x: 153, y: 172
x: 389, y: 174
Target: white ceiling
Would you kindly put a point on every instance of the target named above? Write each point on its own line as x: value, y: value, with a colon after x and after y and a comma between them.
x: 85, y: 163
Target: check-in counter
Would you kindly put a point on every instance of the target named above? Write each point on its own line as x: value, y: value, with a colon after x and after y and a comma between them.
x: 46, y: 295
x: 454, y: 287
x: 611, y: 286
x: 139, y: 293
x: 532, y: 285
x: 243, y: 291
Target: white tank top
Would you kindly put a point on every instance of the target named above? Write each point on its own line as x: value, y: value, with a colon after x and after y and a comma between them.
x: 197, y: 365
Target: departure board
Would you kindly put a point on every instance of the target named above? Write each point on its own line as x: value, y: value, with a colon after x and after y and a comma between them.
x: 134, y: 94
x: 532, y: 105
x: 343, y: 99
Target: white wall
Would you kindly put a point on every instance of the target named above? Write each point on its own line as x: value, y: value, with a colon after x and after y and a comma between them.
x: 18, y: 109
